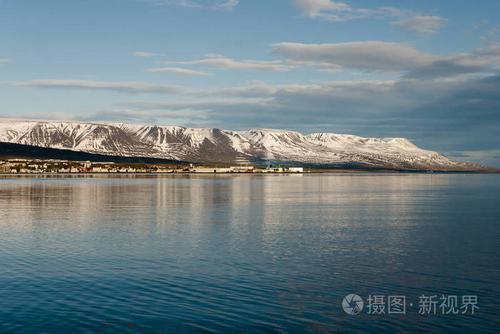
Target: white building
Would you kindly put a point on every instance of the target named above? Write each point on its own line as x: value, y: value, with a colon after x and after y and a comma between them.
x: 211, y: 170
x: 296, y: 169
x: 241, y: 169
x: 99, y: 170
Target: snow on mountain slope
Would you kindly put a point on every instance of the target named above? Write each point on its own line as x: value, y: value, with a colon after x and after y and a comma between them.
x: 86, y: 137
x: 215, y: 145
x: 389, y: 151
x: 278, y: 144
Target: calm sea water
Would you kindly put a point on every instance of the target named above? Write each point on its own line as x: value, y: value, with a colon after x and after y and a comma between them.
x: 268, y: 254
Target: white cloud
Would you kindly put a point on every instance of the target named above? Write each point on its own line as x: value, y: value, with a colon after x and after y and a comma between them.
x: 119, y: 86
x: 325, y: 9
x: 208, y: 104
x: 367, y: 55
x: 268, y: 92
x: 421, y: 24
x: 210, y: 4
x: 144, y: 54
x: 179, y: 71
x: 149, y: 116
x: 232, y: 64
x: 389, y: 57
x: 228, y: 4
x: 336, y: 11
x: 4, y: 61
x: 477, y: 63
x: 223, y: 62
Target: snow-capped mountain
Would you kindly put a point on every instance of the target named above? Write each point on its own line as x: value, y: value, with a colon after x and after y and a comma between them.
x: 216, y: 145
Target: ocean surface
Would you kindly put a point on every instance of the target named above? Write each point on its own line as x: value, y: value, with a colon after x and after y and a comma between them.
x: 248, y: 253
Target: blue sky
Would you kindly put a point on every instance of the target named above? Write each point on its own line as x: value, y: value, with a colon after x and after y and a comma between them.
x: 425, y: 70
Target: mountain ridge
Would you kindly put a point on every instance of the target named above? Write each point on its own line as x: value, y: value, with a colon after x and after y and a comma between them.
x: 210, y: 145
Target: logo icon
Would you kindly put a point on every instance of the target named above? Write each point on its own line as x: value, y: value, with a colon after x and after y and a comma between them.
x: 352, y: 304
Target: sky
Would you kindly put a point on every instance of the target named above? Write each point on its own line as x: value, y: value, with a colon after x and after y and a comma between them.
x: 428, y: 71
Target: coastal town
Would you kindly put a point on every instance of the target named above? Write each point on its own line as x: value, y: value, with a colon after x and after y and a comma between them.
x: 35, y: 166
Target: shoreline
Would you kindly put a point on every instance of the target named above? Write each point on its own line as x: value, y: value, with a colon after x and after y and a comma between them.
x: 365, y: 172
